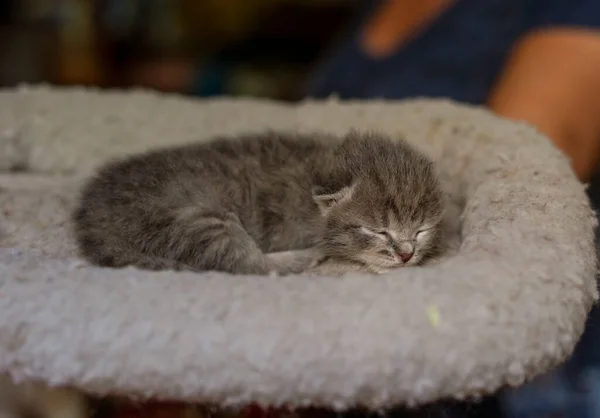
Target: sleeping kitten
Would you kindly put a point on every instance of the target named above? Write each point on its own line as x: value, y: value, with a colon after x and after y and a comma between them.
x: 264, y: 202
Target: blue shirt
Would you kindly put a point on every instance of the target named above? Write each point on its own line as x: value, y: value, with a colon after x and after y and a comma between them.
x: 459, y: 56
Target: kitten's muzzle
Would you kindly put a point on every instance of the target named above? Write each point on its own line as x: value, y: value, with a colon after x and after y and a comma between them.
x: 405, y: 257
x: 405, y: 251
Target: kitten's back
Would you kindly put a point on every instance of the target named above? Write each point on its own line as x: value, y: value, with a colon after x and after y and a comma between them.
x: 197, y: 206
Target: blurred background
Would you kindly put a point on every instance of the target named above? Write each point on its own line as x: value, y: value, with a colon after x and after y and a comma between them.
x: 261, y: 48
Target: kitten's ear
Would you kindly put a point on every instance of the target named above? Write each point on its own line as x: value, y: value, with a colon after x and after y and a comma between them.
x: 326, y: 200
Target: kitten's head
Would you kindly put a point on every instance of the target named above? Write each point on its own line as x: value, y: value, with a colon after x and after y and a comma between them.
x: 381, y: 202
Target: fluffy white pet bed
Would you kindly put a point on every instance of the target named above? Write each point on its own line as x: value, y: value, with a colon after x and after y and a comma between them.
x: 508, y: 304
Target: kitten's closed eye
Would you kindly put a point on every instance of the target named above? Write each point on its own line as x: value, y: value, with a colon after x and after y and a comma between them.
x: 379, y: 233
x: 421, y: 234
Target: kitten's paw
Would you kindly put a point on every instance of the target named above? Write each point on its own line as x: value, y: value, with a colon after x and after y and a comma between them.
x: 378, y: 270
x: 305, y: 259
x: 294, y: 261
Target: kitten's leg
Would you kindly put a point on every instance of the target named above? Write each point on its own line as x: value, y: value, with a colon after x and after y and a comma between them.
x: 146, y: 262
x: 294, y: 261
x: 335, y: 267
x: 193, y: 238
x: 197, y: 239
x: 116, y: 256
x: 208, y: 239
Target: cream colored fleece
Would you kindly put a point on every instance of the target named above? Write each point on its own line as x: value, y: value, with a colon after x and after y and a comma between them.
x: 510, y: 303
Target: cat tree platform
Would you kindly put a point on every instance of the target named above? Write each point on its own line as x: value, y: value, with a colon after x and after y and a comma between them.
x: 508, y: 303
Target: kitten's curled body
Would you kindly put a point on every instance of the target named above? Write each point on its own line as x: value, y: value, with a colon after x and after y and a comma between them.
x: 263, y: 202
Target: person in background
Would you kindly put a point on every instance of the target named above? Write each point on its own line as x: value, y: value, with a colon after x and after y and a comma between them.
x: 536, y: 61
x: 533, y: 60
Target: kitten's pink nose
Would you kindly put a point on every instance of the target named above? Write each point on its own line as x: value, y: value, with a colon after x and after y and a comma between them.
x: 405, y: 257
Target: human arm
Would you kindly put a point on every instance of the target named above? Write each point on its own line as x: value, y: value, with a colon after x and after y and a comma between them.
x: 552, y: 80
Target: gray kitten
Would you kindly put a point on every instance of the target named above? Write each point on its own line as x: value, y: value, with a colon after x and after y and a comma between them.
x: 264, y: 202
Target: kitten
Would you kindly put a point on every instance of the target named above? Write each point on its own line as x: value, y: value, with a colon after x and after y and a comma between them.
x: 264, y: 202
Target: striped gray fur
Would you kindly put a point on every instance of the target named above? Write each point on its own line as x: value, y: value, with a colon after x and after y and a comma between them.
x: 263, y: 202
